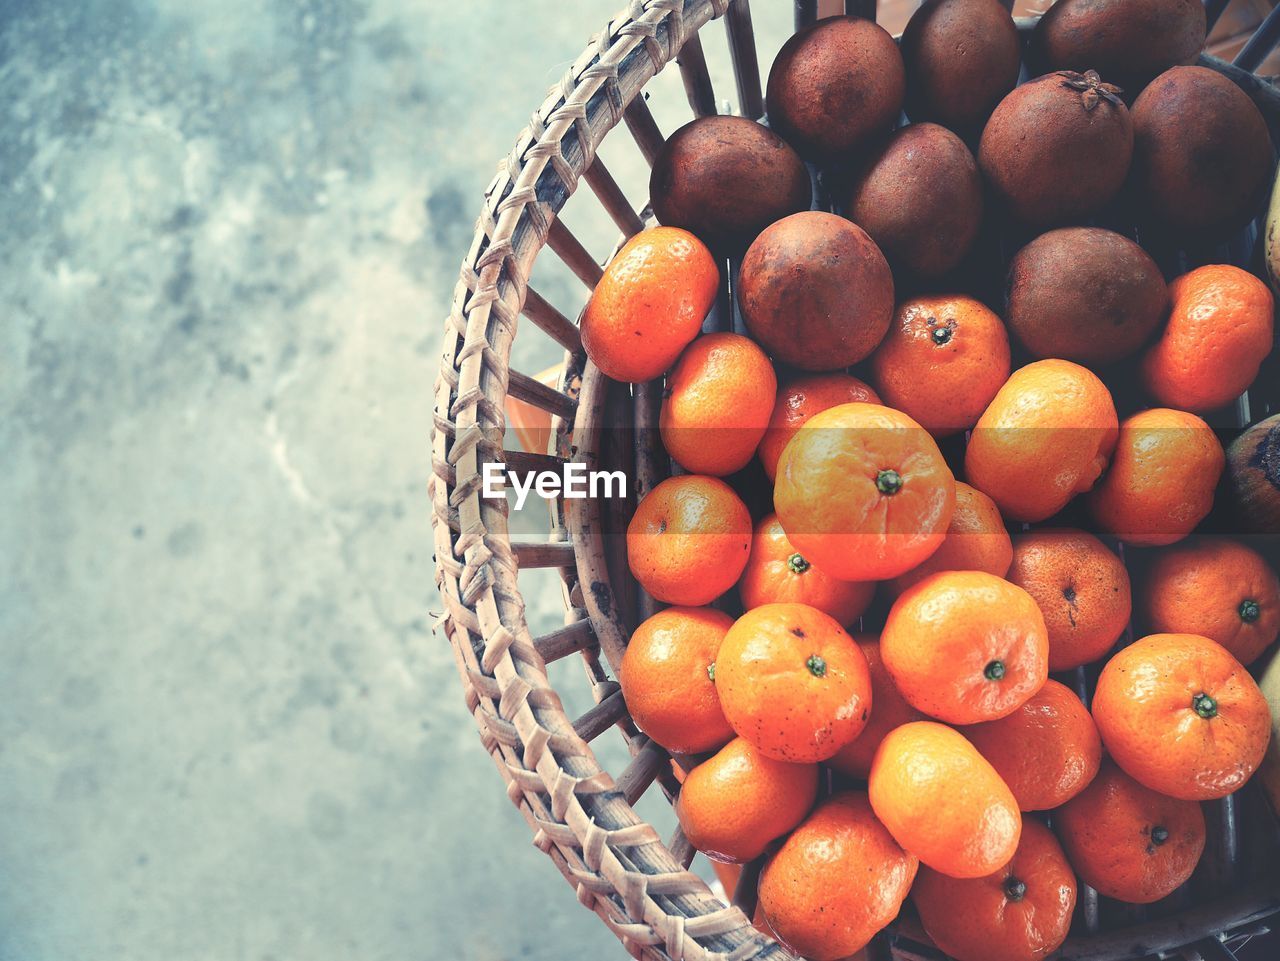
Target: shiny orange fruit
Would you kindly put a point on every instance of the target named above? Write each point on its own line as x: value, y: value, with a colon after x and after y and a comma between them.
x: 799, y: 400
x: 976, y: 540
x: 965, y: 646
x: 1045, y: 437
x: 837, y: 880
x: 942, y: 362
x: 689, y: 540
x: 1081, y: 588
x: 666, y: 678
x: 1161, y: 480
x: 1218, y: 588
x: 778, y: 573
x: 1020, y: 912
x: 717, y: 404
x: 738, y: 800
x: 1128, y: 841
x: 792, y: 682
x: 649, y: 304
x: 1218, y: 333
x: 890, y: 710
x: 1182, y: 716
x: 1047, y: 751
x: 943, y: 801
x: 864, y: 492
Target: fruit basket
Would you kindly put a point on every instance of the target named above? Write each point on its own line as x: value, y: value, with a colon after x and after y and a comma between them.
x: 582, y: 816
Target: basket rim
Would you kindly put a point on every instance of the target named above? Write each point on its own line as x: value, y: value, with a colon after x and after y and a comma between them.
x: 652, y: 904
x: 617, y: 862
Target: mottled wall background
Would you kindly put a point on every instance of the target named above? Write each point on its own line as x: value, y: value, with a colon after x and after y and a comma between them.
x: 229, y: 234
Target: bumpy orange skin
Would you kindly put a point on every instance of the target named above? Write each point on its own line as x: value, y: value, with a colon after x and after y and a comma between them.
x: 1047, y: 751
x: 838, y: 880
x: 1046, y: 437
x: 666, y: 683
x: 1218, y: 588
x: 976, y: 540
x: 1218, y: 334
x: 942, y: 362
x: 717, y: 405
x: 649, y: 304
x: 689, y: 540
x: 943, y: 801
x: 1128, y: 841
x: 1151, y: 711
x: 798, y: 401
x: 778, y: 573
x: 891, y: 710
x: 966, y: 647
x: 864, y: 492
x: 737, y: 801
x: 1021, y: 912
x: 793, y: 683
x: 1161, y: 480
x: 1081, y: 588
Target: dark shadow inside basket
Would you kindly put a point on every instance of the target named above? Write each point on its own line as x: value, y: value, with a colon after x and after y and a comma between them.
x: 1237, y: 884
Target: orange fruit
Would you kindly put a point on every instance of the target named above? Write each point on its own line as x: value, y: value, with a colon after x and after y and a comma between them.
x: 1128, y: 841
x: 965, y: 646
x: 864, y: 492
x: 649, y: 304
x: 1047, y: 751
x: 1161, y: 480
x: 1081, y: 588
x: 1020, y: 912
x: 1179, y: 714
x: 776, y: 573
x: 1045, y: 437
x: 801, y: 399
x: 836, y: 881
x: 976, y: 540
x: 689, y: 540
x: 943, y: 801
x: 890, y: 710
x: 1217, y: 588
x: 941, y: 363
x: 792, y: 682
x: 737, y: 801
x: 666, y: 678
x: 1219, y: 332
x: 717, y: 404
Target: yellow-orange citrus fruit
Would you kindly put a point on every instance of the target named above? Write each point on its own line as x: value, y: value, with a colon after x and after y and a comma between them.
x: 864, y: 492
x: 717, y: 405
x: 1045, y: 438
x: 836, y: 881
x: 792, y: 682
x: 943, y: 801
x: 649, y: 304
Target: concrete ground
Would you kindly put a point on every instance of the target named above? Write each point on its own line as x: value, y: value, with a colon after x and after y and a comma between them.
x: 231, y: 232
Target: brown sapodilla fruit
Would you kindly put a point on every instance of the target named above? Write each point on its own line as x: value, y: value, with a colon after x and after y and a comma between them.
x: 725, y: 179
x: 835, y: 87
x: 1253, y: 477
x: 1057, y: 149
x: 1127, y: 41
x: 962, y: 57
x: 1202, y: 155
x: 1084, y: 294
x: 816, y: 292
x: 920, y: 199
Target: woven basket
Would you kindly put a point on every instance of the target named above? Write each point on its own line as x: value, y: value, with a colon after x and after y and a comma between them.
x: 581, y: 815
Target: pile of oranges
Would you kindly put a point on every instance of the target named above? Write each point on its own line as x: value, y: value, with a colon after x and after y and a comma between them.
x: 936, y: 759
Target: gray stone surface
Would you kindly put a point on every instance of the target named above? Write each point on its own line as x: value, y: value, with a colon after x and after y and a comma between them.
x: 231, y: 231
